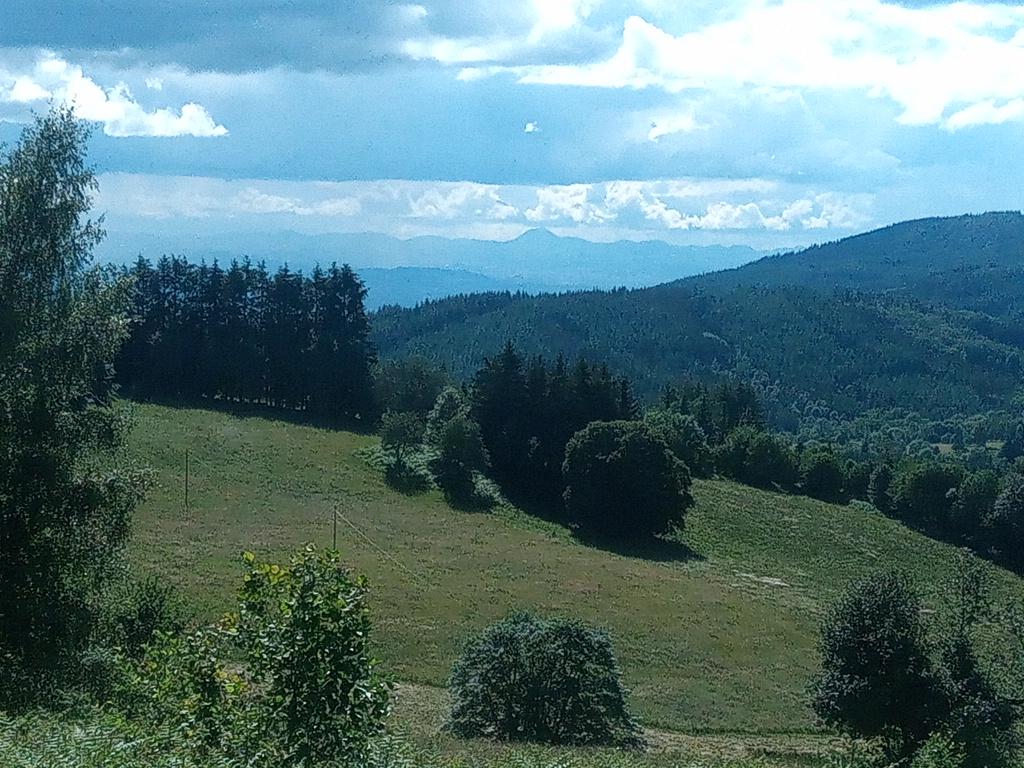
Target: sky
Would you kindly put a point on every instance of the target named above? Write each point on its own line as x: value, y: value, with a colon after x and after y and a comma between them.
x: 763, y: 122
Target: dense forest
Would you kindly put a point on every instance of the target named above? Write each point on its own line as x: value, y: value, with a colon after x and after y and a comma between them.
x: 245, y: 335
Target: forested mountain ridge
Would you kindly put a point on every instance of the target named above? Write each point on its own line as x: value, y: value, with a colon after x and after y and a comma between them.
x: 921, y: 315
x: 850, y: 351
x: 973, y: 262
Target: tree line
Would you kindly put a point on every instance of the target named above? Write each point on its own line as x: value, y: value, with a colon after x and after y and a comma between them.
x: 245, y: 335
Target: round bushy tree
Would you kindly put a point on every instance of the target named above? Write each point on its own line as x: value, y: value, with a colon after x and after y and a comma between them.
x: 682, y: 434
x: 622, y: 482
x: 552, y: 681
x: 461, y: 454
x: 880, y: 488
x: 924, y: 494
x: 821, y: 474
x: 876, y: 678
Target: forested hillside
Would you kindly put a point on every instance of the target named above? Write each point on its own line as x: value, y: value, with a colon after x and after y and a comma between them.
x: 970, y: 262
x: 918, y: 316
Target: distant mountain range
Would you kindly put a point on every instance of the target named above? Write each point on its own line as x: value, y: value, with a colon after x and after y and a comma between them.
x: 925, y: 315
x: 406, y: 272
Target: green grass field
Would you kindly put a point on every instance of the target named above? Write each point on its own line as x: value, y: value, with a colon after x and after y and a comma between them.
x: 715, y: 637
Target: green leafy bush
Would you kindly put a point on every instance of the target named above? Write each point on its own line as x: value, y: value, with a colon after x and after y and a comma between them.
x: 289, y: 681
x: 939, y: 751
x: 305, y: 632
x: 553, y: 681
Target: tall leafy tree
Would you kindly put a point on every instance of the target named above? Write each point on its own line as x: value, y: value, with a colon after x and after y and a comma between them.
x: 65, y: 499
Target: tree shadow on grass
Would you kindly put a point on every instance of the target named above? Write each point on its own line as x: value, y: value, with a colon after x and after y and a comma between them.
x: 667, y: 548
x: 250, y: 410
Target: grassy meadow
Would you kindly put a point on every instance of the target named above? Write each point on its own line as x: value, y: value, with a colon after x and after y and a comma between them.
x: 715, y: 633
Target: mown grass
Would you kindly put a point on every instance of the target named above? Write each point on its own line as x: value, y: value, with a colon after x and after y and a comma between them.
x: 715, y: 634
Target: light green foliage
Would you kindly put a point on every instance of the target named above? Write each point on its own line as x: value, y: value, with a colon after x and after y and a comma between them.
x: 551, y: 681
x: 940, y: 751
x: 305, y: 632
x: 66, y: 497
x: 451, y: 404
x: 712, y: 646
x: 289, y: 681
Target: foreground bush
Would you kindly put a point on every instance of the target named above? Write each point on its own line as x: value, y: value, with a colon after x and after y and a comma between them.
x: 877, y: 681
x: 289, y: 681
x: 552, y: 681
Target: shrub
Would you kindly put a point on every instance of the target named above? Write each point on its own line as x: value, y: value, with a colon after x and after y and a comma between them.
x: 939, y: 751
x: 305, y: 632
x: 757, y: 458
x: 623, y: 482
x: 876, y: 679
x: 552, y: 681
x: 924, y: 494
x: 461, y: 455
x: 821, y: 475
x: 306, y: 690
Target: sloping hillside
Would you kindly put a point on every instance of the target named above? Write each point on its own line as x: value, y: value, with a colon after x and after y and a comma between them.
x: 715, y: 633
x: 971, y: 262
x: 853, y: 352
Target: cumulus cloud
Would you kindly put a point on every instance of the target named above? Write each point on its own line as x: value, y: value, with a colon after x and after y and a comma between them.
x: 54, y: 79
x: 252, y: 200
x: 569, y: 202
x: 531, y: 127
x: 416, y: 207
x: 955, y: 65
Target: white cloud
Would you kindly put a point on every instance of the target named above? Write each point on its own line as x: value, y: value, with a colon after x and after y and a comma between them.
x: 558, y: 16
x: 252, y: 200
x: 115, y: 108
x: 654, y: 208
x: 684, y: 122
x: 954, y: 65
x: 570, y: 202
x: 531, y: 127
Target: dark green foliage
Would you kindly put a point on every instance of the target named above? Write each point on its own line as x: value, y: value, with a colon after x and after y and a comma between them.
x: 821, y: 474
x: 877, y: 680
x: 756, y: 457
x: 543, y: 680
x: 880, y: 488
x: 1013, y: 446
x: 66, y: 496
x: 976, y: 713
x: 683, y: 435
x: 848, y: 351
x: 623, y: 483
x: 527, y: 412
x: 408, y: 385
x: 243, y: 335
x: 924, y: 494
x: 138, y: 612
x: 1007, y: 521
x: 856, y: 479
x: 400, y: 433
x: 461, y: 455
x: 971, y: 520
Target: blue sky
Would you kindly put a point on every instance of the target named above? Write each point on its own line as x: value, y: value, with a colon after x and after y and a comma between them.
x: 764, y: 122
